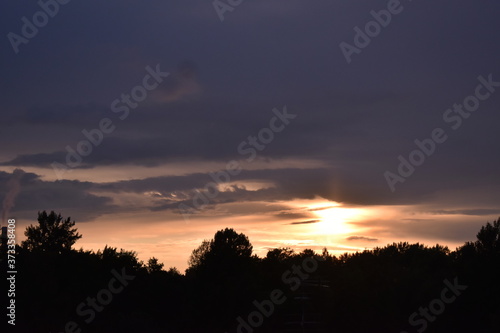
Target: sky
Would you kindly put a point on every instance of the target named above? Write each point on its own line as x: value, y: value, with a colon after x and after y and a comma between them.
x: 308, y: 124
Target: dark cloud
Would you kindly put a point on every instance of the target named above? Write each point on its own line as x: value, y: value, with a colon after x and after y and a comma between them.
x: 458, y: 230
x: 362, y: 238
x: 321, y: 208
x: 225, y: 80
x: 305, y: 222
x: 73, y: 197
x: 477, y: 212
x: 291, y: 215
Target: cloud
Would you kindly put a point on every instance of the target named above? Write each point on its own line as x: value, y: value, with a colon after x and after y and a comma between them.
x: 183, y: 83
x: 455, y: 230
x: 306, y: 222
x: 321, y: 208
x: 476, y: 212
x: 364, y: 238
x: 67, y: 197
x: 355, y: 119
x: 14, y: 187
x: 291, y: 215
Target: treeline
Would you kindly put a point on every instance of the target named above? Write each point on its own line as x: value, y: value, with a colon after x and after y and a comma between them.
x: 398, y: 288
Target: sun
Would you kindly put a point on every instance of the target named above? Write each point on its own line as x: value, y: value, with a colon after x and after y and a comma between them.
x: 335, y: 219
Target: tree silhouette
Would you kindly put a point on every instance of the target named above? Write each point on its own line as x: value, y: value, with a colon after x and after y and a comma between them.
x: 221, y: 273
x: 229, y: 243
x: 53, y: 234
x: 198, y: 256
x: 374, y: 290
x: 488, y: 238
x: 154, y: 266
x: 226, y: 247
x: 279, y: 254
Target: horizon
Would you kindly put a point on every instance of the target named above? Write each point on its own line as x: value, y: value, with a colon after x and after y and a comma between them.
x: 175, y: 251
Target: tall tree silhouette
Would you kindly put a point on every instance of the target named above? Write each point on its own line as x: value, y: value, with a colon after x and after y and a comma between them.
x: 227, y: 247
x: 228, y: 243
x: 221, y: 272
x: 52, y: 234
x: 198, y: 256
x: 488, y: 238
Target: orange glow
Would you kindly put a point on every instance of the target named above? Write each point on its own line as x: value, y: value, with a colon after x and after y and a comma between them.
x: 335, y: 220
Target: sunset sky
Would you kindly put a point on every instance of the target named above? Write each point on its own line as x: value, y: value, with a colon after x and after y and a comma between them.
x: 267, y: 94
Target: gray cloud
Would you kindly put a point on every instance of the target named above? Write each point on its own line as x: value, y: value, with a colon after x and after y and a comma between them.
x: 362, y: 238
x: 305, y: 222
x: 291, y: 215
x: 458, y: 230
x: 356, y: 118
x: 66, y: 196
x: 476, y: 212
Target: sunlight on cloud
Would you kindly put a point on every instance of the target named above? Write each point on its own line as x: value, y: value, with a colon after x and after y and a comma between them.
x: 247, y: 185
x: 113, y: 173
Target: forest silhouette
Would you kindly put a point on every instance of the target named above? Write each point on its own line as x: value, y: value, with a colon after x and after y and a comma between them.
x: 227, y: 288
